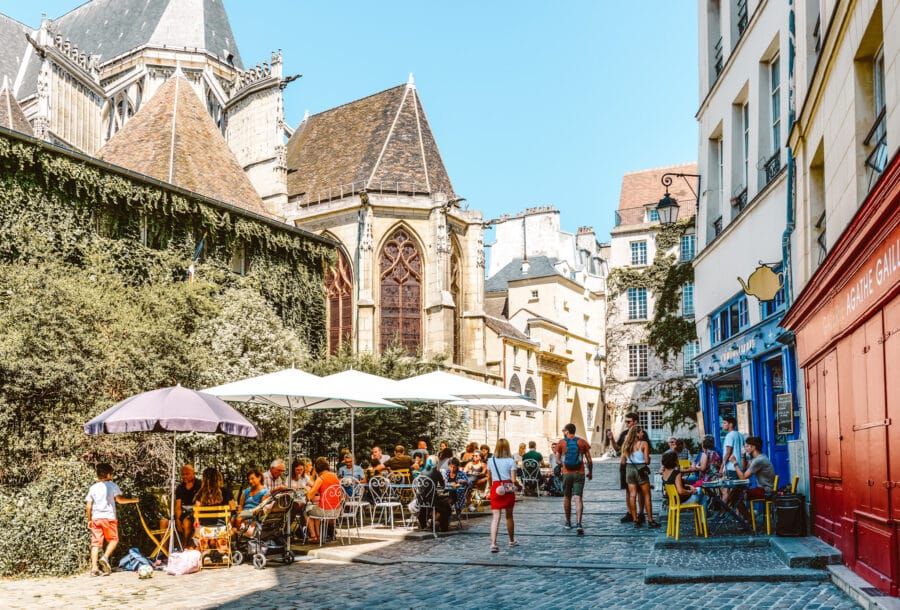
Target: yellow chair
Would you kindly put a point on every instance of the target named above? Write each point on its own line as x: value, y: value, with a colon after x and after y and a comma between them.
x: 767, y: 505
x: 684, y: 464
x: 213, y: 541
x: 673, y: 525
x: 159, y: 537
x: 794, y: 484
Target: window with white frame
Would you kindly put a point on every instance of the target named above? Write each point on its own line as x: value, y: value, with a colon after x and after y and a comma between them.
x: 637, y: 303
x: 689, y: 352
x: 652, y: 423
x: 687, y: 299
x: 637, y: 360
x: 688, y: 247
x: 745, y: 147
x: 652, y: 215
x: 639, y: 253
x: 775, y: 84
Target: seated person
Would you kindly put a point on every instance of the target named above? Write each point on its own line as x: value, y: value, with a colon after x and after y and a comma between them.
x: 252, y: 496
x: 299, y: 476
x: 466, y: 456
x: 349, y: 470
x: 458, y: 484
x: 376, y: 465
x: 421, y: 450
x: 400, y: 461
x: 416, y: 467
x: 485, y: 453
x: 210, y: 494
x: 533, y: 454
x: 672, y: 475
x: 443, y: 460
x: 519, y: 457
x: 273, y: 479
x: 441, y: 504
x: 708, y: 462
x: 326, y: 505
x: 184, y: 501
x: 756, y: 463
x: 476, y: 472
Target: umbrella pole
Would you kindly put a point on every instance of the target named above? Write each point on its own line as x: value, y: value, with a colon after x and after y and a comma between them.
x: 353, y: 435
x: 173, y: 530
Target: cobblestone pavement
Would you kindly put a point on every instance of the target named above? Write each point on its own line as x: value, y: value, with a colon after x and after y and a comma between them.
x: 551, y: 568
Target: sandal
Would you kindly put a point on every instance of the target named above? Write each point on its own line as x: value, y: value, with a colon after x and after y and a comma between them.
x: 495, y: 548
x: 513, y: 543
x: 313, y: 540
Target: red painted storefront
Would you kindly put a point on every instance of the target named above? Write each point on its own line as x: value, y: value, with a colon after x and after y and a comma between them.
x: 847, y: 324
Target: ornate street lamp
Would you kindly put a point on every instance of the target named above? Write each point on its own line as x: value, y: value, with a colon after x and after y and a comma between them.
x: 667, y: 208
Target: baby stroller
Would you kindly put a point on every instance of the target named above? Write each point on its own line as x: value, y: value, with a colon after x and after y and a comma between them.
x: 265, y: 533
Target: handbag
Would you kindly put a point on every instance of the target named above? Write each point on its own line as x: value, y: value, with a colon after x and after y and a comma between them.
x: 505, y: 487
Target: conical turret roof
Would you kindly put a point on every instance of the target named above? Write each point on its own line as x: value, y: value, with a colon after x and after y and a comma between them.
x: 11, y: 115
x: 172, y: 138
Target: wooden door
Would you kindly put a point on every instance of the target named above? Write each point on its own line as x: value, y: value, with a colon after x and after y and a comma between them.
x: 892, y: 370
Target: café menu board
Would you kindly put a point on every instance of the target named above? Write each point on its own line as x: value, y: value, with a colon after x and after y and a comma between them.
x: 784, y: 414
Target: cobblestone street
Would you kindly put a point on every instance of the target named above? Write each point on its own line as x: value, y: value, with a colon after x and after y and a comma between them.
x: 551, y: 568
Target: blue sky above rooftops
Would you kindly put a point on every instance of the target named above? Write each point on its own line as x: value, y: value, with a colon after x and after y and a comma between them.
x: 532, y: 102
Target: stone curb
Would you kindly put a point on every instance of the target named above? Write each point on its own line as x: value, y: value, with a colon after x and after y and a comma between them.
x: 860, y: 590
x: 806, y: 552
x: 660, y: 576
x: 367, y: 558
x: 704, y: 544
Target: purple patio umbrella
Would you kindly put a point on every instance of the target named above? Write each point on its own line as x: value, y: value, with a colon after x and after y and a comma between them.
x: 174, y: 410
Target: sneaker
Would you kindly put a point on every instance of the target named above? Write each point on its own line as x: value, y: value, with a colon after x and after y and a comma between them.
x: 103, y: 562
x: 638, y: 524
x: 514, y: 543
x: 642, y: 518
x: 568, y: 525
x: 626, y: 519
x: 495, y: 548
x: 654, y: 524
x: 579, y: 530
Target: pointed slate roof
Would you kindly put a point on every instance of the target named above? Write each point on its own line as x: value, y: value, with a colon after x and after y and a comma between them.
x: 13, y: 43
x: 111, y: 27
x: 538, y: 266
x: 172, y: 138
x: 11, y: 115
x: 375, y: 142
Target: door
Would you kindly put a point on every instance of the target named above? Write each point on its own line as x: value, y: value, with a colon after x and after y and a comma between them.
x: 892, y: 369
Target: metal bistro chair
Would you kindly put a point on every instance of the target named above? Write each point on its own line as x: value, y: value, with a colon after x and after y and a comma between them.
x: 673, y: 522
x: 425, y: 491
x: 334, y: 496
x: 531, y: 475
x: 767, y: 503
x: 384, y: 498
x: 354, y: 505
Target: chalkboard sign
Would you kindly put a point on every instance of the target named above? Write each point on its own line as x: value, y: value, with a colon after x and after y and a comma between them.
x: 784, y: 414
x: 743, y: 417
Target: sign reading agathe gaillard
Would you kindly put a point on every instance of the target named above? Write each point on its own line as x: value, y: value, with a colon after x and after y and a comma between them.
x: 885, y: 270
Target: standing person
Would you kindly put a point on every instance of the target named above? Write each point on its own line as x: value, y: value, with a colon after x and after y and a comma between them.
x: 636, y: 457
x: 630, y: 420
x: 573, y: 452
x: 184, y: 502
x: 502, y: 468
x: 731, y: 448
x: 101, y: 499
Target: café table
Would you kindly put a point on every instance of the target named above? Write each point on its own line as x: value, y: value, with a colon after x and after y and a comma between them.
x: 718, y: 510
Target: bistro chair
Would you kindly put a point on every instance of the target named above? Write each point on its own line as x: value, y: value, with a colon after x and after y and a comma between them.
x: 793, y: 484
x: 531, y: 475
x: 213, y: 541
x: 355, y: 504
x: 673, y: 522
x: 425, y: 492
x: 684, y: 465
x: 384, y: 498
x: 767, y: 507
x: 333, y: 496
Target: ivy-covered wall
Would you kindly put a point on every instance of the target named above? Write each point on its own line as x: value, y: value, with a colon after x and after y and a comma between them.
x: 63, y: 207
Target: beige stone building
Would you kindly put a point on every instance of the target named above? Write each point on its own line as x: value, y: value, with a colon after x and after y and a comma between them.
x: 545, y: 312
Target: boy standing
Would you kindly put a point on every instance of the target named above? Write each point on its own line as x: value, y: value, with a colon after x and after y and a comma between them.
x: 101, y: 516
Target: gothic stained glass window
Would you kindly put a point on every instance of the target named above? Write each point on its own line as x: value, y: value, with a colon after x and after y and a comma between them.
x: 401, y: 292
x: 339, y: 292
x: 456, y: 293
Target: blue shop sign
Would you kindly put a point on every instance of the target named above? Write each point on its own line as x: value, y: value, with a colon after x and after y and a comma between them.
x: 750, y: 344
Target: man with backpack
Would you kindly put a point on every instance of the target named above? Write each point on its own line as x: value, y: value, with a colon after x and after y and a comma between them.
x: 573, y: 452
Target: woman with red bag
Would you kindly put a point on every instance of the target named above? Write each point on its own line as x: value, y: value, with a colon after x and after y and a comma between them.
x: 502, y: 468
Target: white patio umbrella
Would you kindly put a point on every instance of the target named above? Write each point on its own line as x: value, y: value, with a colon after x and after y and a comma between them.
x: 293, y: 389
x: 175, y: 409
x: 498, y: 406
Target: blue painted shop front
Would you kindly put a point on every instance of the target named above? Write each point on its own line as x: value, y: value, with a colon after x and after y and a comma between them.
x: 752, y: 376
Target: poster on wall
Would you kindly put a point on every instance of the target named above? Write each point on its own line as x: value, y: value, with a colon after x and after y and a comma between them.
x: 743, y: 417
x: 784, y: 414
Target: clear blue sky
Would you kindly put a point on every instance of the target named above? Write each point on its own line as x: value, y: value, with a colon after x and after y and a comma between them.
x: 532, y: 102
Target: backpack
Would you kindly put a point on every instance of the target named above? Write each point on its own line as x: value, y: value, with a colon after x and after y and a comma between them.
x: 572, y: 459
x: 133, y: 560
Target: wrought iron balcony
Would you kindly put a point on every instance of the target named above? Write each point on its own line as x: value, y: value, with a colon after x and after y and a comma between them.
x: 719, y: 57
x: 740, y: 200
x: 741, y: 17
x: 717, y: 226
x: 772, y: 167
x: 877, y: 159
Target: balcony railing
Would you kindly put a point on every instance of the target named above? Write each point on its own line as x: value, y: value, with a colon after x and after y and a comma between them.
x: 773, y: 166
x: 717, y: 226
x: 719, y: 58
x: 877, y: 159
x: 741, y: 17
x: 739, y: 201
